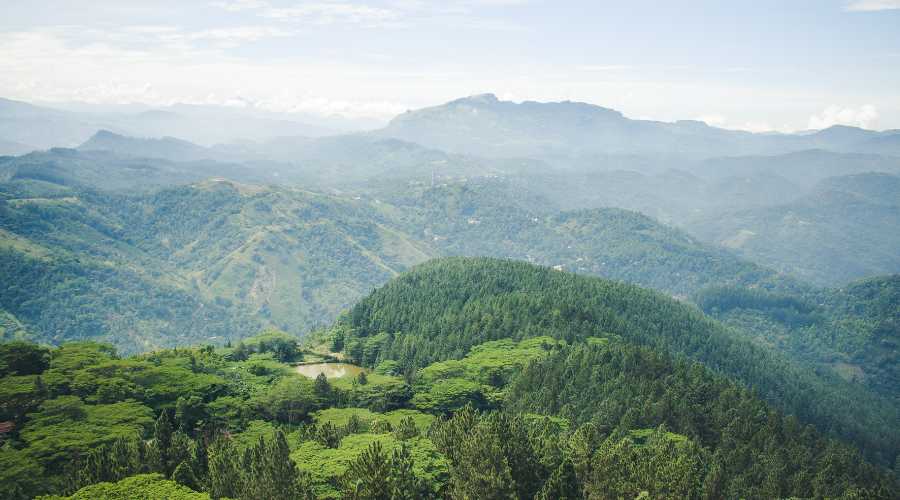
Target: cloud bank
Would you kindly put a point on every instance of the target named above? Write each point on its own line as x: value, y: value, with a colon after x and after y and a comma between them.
x: 872, y: 5
x: 864, y: 116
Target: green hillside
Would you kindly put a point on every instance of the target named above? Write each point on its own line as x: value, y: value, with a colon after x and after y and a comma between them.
x: 853, y: 331
x: 551, y: 417
x: 495, y: 218
x: 442, y: 308
x: 848, y: 228
x: 220, y: 259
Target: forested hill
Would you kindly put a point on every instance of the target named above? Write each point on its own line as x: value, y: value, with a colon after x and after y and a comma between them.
x: 440, y: 309
x: 497, y: 218
x: 853, y: 330
x: 174, y: 266
x: 845, y: 229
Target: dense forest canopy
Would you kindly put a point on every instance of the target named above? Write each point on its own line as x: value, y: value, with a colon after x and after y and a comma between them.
x: 541, y: 417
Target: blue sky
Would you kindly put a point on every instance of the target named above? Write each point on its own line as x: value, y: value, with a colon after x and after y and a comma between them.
x: 760, y: 65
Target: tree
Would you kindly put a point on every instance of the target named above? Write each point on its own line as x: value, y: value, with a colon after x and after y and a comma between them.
x: 481, y: 469
x: 402, y: 481
x: 562, y: 484
x: 189, y: 412
x: 286, y: 478
x: 406, y: 429
x: 269, y: 471
x: 290, y: 400
x: 162, y: 444
x: 23, y: 358
x: 224, y: 478
x: 366, y: 477
x: 241, y: 352
x: 328, y: 435
x: 322, y: 387
x: 337, y: 341
x: 184, y: 475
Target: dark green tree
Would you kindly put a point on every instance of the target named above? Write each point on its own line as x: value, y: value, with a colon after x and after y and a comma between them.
x: 162, y: 444
x: 406, y: 429
x: 562, y: 485
x: 184, y: 475
x: 367, y: 476
x: 224, y: 476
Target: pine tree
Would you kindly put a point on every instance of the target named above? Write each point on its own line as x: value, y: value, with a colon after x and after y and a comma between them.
x: 481, y: 470
x: 366, y: 477
x: 162, y: 444
x: 39, y: 388
x: 406, y: 429
x: 200, y: 463
x: 224, y: 479
x: 124, y: 458
x: 181, y: 450
x: 354, y: 425
x: 403, y: 483
x: 328, y: 435
x: 286, y: 480
x: 562, y: 484
x: 322, y: 388
x: 184, y: 475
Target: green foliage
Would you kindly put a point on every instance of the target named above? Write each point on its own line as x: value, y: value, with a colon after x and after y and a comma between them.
x: 448, y: 395
x: 283, y: 346
x: 447, y: 306
x: 441, y: 386
x: 854, y: 331
x: 23, y: 358
x: 255, y: 430
x: 406, y: 429
x: 327, y: 466
x: 374, y: 475
x: 65, y: 427
x: 380, y: 392
x: 661, y: 468
x: 846, y: 229
x: 224, y: 472
x: 139, y: 487
x: 405, y: 423
x: 602, y: 390
x: 290, y: 400
x: 113, y: 462
x: 721, y: 435
x: 20, y: 395
x: 21, y: 476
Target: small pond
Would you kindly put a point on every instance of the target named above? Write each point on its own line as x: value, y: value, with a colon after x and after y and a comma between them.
x: 331, y: 370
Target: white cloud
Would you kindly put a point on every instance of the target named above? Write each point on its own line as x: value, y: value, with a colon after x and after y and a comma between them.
x: 713, y: 120
x: 864, y: 116
x: 872, y: 5
x: 239, y: 5
x: 603, y: 67
x: 55, y: 65
x: 326, y: 13
x: 233, y: 37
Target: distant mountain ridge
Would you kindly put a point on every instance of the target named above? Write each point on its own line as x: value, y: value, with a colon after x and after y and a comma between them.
x: 44, y: 127
x: 168, y: 148
x: 484, y: 125
x: 480, y: 125
x: 847, y: 227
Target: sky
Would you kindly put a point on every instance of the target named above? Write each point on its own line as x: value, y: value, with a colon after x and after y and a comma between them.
x: 758, y: 65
